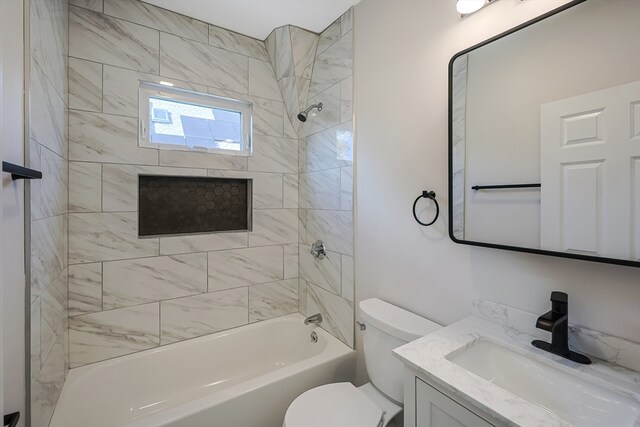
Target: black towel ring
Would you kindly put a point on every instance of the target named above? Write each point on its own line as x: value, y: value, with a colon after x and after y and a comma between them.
x: 426, y: 195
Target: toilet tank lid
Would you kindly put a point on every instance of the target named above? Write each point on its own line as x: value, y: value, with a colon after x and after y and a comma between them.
x: 395, y: 321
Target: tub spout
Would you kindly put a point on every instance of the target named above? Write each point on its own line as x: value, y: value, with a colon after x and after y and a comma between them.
x: 316, y: 318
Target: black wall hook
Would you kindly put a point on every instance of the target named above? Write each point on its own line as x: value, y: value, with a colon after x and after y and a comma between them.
x: 426, y: 195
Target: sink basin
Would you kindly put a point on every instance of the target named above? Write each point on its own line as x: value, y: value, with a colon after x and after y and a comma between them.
x: 574, y: 399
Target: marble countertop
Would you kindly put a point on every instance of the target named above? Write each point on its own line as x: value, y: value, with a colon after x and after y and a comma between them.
x: 428, y: 354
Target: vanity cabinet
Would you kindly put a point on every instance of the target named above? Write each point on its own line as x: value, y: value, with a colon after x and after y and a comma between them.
x: 427, y: 406
x: 435, y: 409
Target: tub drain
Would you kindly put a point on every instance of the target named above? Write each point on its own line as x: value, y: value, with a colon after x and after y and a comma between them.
x: 314, y: 336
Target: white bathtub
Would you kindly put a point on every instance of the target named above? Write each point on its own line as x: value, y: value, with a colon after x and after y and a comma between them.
x: 243, y: 377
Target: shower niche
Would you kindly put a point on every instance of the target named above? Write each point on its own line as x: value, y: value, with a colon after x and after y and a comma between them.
x: 174, y: 205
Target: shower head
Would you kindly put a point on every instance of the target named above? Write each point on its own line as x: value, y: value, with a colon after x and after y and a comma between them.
x: 302, y: 116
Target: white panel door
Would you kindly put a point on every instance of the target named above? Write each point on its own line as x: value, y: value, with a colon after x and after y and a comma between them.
x: 590, y: 173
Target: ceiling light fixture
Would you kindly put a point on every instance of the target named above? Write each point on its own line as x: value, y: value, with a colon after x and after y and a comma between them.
x: 467, y: 7
x: 166, y: 83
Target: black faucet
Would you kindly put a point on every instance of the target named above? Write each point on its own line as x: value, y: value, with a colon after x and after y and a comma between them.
x: 556, y: 321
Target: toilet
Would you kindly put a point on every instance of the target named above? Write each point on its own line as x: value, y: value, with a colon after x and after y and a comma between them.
x: 376, y: 403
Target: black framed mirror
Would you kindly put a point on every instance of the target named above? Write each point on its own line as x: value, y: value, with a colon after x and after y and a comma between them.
x: 544, y: 136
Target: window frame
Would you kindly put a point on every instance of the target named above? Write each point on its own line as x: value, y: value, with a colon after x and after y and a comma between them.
x: 149, y: 90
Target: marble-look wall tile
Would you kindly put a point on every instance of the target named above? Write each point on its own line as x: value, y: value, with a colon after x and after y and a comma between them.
x: 337, y: 313
x: 85, y: 288
x: 267, y: 187
x: 304, y: 45
x: 85, y: 85
x: 189, y: 159
x: 242, y: 267
x: 200, y: 63
x: 294, y: 95
x: 85, y: 187
x: 268, y: 117
x: 271, y: 300
x: 100, y: 336
x: 335, y: 228
x: 274, y: 226
x: 333, y: 65
x: 331, y: 148
x: 262, y: 81
x: 203, y: 243
x: 190, y: 317
x: 100, y: 38
x: 46, y: 385
x: 48, y: 113
x: 291, y: 189
x: 120, y: 184
x: 348, y: 284
x: 158, y: 18
x: 321, y: 272
x: 35, y: 313
x: 346, y: 188
x: 121, y: 89
x: 95, y: 5
x: 96, y: 137
x: 283, y: 53
x: 302, y: 297
x: 97, y: 237
x: 330, y: 115
x: 51, y: 194
x: 270, y: 45
x: 346, y: 22
x: 289, y: 131
x: 48, y: 252
x: 291, y: 261
x: 329, y: 36
x: 302, y: 226
x: 138, y: 281
x: 49, y: 41
x: 320, y: 190
x: 239, y: 43
x: 273, y: 154
x: 346, y: 100
x: 53, y: 315
x: 35, y: 162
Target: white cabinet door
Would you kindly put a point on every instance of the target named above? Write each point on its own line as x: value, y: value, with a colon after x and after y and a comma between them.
x: 590, y: 173
x: 434, y: 409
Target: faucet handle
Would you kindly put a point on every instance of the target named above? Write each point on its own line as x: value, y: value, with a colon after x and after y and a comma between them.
x: 559, y: 302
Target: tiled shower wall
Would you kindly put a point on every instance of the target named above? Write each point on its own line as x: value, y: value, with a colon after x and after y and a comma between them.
x: 48, y: 152
x: 128, y: 294
x: 326, y: 183
x: 312, y: 69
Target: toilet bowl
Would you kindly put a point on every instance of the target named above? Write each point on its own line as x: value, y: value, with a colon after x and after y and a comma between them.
x: 376, y: 403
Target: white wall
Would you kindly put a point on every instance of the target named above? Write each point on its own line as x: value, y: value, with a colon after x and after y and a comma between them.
x: 12, y: 281
x: 402, y: 50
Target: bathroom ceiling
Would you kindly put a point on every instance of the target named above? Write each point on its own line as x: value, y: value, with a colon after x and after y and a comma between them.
x: 257, y: 18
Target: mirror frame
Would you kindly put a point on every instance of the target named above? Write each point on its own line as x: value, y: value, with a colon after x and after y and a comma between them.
x: 494, y: 245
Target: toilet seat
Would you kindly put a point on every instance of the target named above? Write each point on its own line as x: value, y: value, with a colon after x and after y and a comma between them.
x: 333, y: 405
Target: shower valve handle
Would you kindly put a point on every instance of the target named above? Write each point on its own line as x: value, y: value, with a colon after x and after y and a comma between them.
x: 319, y: 250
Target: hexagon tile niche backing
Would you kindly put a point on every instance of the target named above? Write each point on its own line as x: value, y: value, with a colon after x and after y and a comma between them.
x: 187, y: 204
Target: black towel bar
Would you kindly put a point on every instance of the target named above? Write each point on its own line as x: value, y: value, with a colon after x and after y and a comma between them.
x: 19, y: 172
x: 497, y: 187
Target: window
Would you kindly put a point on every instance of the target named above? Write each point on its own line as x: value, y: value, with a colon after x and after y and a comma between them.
x: 178, y: 119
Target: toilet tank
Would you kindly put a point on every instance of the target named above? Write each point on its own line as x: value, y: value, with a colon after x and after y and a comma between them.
x: 389, y: 327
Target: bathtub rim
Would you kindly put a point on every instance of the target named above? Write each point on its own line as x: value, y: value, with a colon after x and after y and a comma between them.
x: 333, y: 351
